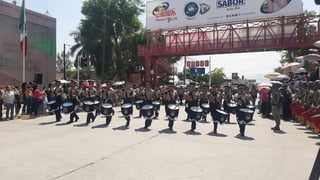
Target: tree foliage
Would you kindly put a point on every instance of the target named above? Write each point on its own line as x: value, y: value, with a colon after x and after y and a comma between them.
x: 110, y: 31
x: 217, y: 76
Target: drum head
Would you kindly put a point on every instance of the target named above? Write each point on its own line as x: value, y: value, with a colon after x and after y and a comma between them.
x: 246, y: 110
x: 106, y: 105
x: 88, y: 103
x: 221, y: 112
x: 156, y: 103
x: 205, y: 105
x: 232, y: 105
x: 127, y: 105
x: 147, y: 107
x: 196, y: 109
x: 173, y: 107
x: 139, y: 102
x: 67, y: 104
x: 51, y: 102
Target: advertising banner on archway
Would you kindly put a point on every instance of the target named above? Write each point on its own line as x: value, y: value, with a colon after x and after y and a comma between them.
x: 181, y: 13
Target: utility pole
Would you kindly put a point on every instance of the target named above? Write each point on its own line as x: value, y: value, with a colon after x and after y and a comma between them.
x: 64, y: 61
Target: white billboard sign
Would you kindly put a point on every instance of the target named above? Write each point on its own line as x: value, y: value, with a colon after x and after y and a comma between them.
x: 181, y: 13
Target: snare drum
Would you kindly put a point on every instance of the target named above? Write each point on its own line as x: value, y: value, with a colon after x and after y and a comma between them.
x: 222, y: 115
x: 67, y: 107
x: 251, y: 107
x: 139, y: 104
x: 206, y: 108
x: 52, y: 105
x: 231, y: 108
x: 246, y: 115
x: 195, y: 113
x: 106, y: 109
x: 156, y: 105
x: 147, y: 111
x: 88, y: 106
x: 96, y: 104
x: 173, y: 110
x: 126, y: 109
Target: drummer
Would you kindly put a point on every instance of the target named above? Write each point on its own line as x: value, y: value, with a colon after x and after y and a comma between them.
x: 90, y: 95
x: 192, y: 99
x: 227, y: 99
x: 170, y: 98
x: 241, y: 115
x: 73, y: 97
x: 204, y: 98
x: 148, y: 97
x: 57, y: 92
x: 127, y: 96
x: 214, y: 100
x: 127, y: 93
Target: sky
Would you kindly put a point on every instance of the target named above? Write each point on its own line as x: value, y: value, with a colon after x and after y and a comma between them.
x: 250, y: 65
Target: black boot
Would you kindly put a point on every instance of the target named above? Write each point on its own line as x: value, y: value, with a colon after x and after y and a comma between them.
x: 128, y: 121
x: 193, y: 125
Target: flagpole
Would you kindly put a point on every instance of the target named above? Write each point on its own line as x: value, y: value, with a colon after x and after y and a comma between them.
x: 23, y: 56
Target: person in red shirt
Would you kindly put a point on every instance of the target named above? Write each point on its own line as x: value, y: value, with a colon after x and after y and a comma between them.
x: 264, y: 101
x: 36, y: 100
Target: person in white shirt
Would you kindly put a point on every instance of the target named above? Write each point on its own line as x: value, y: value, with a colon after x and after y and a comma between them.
x: 8, y: 98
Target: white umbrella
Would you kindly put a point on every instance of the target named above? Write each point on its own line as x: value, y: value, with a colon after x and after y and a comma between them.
x: 300, y: 70
x: 119, y: 83
x: 276, y: 83
x: 316, y: 44
x: 63, y: 81
x: 282, y: 77
x: 264, y: 85
x: 291, y: 67
x: 311, y: 57
x: 271, y: 75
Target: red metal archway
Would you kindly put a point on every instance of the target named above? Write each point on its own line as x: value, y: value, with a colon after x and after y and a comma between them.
x: 287, y: 32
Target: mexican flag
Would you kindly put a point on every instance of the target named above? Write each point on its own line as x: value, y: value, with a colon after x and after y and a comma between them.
x: 23, y: 30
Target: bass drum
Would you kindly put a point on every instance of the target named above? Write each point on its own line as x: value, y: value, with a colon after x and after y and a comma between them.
x: 222, y: 115
x: 88, y: 106
x: 156, y: 105
x: 173, y: 110
x: 206, y: 108
x: 139, y: 104
x: 67, y: 107
x: 52, y: 105
x: 106, y: 109
x: 126, y: 109
x: 147, y: 111
x: 195, y: 113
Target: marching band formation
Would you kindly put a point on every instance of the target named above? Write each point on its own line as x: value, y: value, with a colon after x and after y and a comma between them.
x: 199, y: 103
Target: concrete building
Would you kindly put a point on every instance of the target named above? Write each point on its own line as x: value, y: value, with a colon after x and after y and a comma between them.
x: 41, y: 58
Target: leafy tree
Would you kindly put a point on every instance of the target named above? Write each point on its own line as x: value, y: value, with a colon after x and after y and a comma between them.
x: 109, y: 34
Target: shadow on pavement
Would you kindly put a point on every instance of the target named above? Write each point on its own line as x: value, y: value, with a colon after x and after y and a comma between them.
x: 63, y: 124
x: 204, y: 122
x: 122, y: 128
x: 81, y: 125
x: 251, y: 124
x: 246, y: 138
x: 47, y: 123
x: 309, y: 132
x: 216, y: 134
x: 318, y: 143
x: 314, y: 137
x: 142, y: 129
x: 99, y: 126
x: 167, y: 131
x: 279, y: 132
x: 194, y: 133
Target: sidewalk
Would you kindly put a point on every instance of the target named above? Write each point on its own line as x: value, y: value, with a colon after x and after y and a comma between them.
x: 43, y: 149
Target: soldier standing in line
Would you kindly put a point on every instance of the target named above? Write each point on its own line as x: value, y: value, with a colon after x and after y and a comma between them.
x: 276, y: 104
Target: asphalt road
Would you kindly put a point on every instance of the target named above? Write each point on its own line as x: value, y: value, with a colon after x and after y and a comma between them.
x: 43, y: 149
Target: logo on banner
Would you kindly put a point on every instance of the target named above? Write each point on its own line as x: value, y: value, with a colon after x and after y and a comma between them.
x: 230, y: 3
x: 271, y: 6
x: 197, y: 70
x: 163, y: 13
x: 191, y: 9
